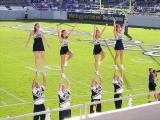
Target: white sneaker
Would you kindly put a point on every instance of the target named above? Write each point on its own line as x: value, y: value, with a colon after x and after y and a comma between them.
x: 115, y: 67
x: 122, y: 66
x: 97, y: 73
x: 63, y: 75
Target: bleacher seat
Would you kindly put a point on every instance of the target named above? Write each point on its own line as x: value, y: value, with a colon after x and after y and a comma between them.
x: 14, y: 2
x: 3, y: 8
x: 29, y: 8
x: 16, y: 8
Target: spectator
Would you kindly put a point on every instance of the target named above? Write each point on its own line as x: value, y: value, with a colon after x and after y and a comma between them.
x: 152, y: 85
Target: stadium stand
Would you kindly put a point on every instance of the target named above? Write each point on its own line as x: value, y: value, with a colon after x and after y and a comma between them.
x: 45, y: 4
x: 142, y: 7
x: 148, y: 6
x: 14, y: 2
x: 138, y: 6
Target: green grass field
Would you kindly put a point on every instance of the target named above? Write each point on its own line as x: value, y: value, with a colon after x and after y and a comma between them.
x: 16, y: 63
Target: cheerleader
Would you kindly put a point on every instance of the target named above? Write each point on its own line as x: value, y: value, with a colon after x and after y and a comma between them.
x: 98, y: 53
x: 96, y: 89
x: 118, y: 88
x: 118, y: 30
x: 38, y: 47
x: 38, y: 92
x: 65, y: 53
x: 64, y: 99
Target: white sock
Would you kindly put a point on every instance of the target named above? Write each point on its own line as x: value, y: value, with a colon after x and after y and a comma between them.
x: 99, y: 63
x: 38, y: 71
x: 116, y: 67
x: 63, y: 75
x: 66, y: 63
x: 44, y: 72
x: 122, y: 66
x: 97, y: 73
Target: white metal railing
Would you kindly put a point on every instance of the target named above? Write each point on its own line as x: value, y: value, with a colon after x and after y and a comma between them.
x: 115, y: 99
x: 80, y: 106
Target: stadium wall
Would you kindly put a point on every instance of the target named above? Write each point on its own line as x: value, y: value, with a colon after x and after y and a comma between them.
x: 32, y: 14
x: 35, y: 14
x: 144, y: 21
x: 140, y: 21
x: 11, y: 15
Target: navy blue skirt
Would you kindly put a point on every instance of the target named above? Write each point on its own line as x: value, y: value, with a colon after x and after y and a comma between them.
x: 64, y: 50
x: 38, y: 45
x: 119, y: 45
x: 97, y: 49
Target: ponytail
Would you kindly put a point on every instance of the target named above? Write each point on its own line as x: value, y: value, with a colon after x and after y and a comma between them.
x: 35, y: 29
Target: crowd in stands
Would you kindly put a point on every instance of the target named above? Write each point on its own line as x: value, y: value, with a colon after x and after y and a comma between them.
x: 142, y: 7
x: 44, y: 4
x: 139, y: 6
x: 146, y: 7
x: 64, y: 4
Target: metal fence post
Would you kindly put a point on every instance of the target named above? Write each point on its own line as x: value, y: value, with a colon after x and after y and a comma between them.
x: 130, y: 101
x: 86, y: 110
x: 81, y: 108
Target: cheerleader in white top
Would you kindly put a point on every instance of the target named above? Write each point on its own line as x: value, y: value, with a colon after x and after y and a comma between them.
x: 38, y: 47
x: 65, y: 53
x: 38, y: 92
x: 118, y: 87
x: 98, y: 52
x: 118, y: 30
x: 96, y: 94
x: 64, y: 99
